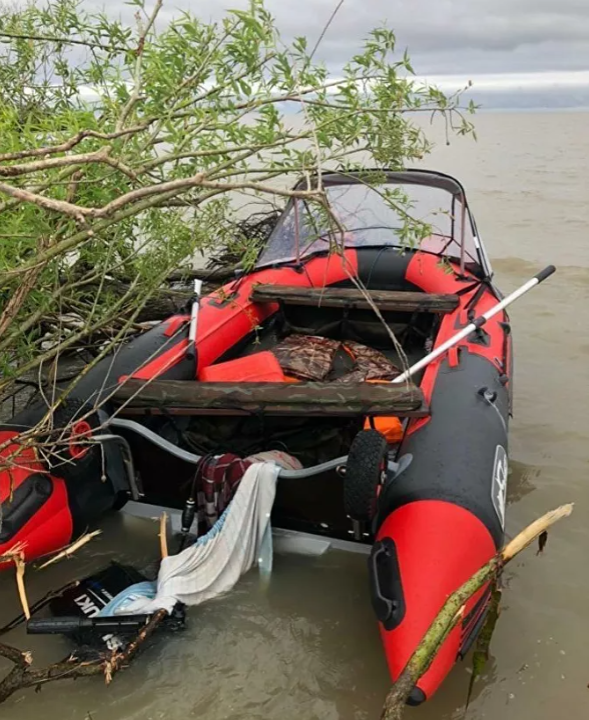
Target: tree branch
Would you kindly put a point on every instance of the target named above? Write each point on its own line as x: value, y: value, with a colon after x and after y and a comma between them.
x: 99, y: 156
x: 135, y: 94
x: 24, y: 676
x: 65, y: 41
x: 60, y: 206
x: 72, y: 142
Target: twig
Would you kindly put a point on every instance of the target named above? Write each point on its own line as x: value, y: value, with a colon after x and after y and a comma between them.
x: 71, y: 549
x: 64, y: 40
x: 135, y: 94
x: 326, y: 28
x: 8, y: 557
x: 163, y: 535
x: 19, y: 561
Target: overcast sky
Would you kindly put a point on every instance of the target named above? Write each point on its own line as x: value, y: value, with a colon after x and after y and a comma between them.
x: 444, y: 37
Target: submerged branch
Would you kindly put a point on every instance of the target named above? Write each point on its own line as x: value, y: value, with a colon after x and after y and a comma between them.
x: 71, y: 549
x: 23, y: 675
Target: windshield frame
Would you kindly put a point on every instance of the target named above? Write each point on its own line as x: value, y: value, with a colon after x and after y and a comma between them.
x: 426, y: 178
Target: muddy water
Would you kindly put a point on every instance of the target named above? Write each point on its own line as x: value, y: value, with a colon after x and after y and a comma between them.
x: 307, y: 646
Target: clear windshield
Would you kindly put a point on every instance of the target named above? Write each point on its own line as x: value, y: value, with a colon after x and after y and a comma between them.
x: 369, y: 220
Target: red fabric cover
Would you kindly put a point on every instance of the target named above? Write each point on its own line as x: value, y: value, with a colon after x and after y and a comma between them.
x: 259, y: 367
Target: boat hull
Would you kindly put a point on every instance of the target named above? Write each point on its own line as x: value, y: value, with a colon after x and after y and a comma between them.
x: 436, y: 523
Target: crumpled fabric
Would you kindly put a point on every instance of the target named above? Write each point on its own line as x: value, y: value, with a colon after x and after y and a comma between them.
x: 370, y: 364
x: 217, y: 478
x: 212, y: 566
x: 306, y: 357
x: 284, y: 460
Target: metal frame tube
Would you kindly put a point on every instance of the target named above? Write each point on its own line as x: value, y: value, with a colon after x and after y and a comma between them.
x: 462, y: 232
x: 478, y: 322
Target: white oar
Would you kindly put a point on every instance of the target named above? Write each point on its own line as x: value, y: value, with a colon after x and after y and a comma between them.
x: 476, y: 323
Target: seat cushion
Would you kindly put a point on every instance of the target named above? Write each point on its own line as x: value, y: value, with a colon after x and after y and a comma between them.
x: 259, y: 367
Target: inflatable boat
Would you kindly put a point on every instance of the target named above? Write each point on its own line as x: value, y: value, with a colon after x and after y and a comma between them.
x: 385, y: 372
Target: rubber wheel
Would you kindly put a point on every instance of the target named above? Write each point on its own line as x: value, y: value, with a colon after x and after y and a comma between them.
x: 82, y: 459
x: 366, y: 463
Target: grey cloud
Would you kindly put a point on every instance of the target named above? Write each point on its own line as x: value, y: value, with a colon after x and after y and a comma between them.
x: 442, y: 36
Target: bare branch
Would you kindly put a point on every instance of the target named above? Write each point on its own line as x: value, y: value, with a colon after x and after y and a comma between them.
x: 71, y: 549
x: 99, y: 156
x: 72, y: 142
x: 64, y: 40
x: 325, y: 29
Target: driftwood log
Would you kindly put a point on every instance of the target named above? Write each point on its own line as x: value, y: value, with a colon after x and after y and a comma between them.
x: 302, y: 399
x: 385, y: 300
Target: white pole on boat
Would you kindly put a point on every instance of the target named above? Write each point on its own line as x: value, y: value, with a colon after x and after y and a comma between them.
x: 194, y: 319
x: 476, y: 323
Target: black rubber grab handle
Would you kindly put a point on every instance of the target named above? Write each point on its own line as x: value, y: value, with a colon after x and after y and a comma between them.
x: 546, y: 273
x: 70, y: 624
x: 383, y: 605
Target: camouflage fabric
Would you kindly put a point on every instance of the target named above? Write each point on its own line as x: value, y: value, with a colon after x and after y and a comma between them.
x: 306, y: 357
x: 370, y: 364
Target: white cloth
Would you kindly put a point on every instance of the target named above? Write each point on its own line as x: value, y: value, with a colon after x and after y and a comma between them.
x: 214, y: 564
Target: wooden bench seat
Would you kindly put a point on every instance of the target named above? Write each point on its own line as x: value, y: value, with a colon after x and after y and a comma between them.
x: 385, y: 300
x: 177, y: 397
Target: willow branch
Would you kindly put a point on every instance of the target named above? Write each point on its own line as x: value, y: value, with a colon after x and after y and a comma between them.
x: 214, y: 152
x: 99, y: 156
x: 64, y: 40
x: 72, y: 142
x: 135, y: 94
x: 60, y: 206
x: 71, y: 549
